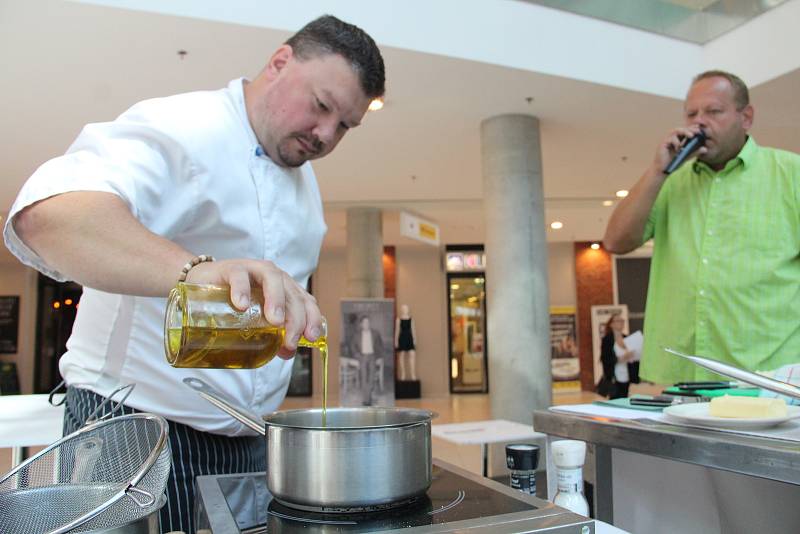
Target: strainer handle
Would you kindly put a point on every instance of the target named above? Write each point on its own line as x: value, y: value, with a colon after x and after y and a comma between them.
x: 51, y: 397
x: 93, y: 416
x: 149, y: 497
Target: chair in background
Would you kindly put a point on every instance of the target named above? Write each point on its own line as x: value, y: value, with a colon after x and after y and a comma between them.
x: 348, y: 372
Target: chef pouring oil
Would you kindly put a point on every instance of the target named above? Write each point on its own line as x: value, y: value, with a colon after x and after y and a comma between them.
x: 202, y: 329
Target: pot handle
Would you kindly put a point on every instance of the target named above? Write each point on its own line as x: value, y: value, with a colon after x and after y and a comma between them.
x: 218, y: 399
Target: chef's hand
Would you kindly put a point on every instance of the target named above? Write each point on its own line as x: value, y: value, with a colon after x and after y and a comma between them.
x: 671, y: 145
x: 286, y: 303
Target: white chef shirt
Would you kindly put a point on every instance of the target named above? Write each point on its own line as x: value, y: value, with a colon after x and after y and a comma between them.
x: 190, y: 169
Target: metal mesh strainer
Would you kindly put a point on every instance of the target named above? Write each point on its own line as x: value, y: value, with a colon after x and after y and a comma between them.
x: 102, y: 476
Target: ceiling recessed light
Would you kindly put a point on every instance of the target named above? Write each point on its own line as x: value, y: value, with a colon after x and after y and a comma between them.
x: 622, y: 193
x: 556, y: 225
x: 608, y: 202
x: 376, y: 104
x: 595, y: 246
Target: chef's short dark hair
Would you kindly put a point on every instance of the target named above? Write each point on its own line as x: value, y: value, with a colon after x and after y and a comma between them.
x: 329, y: 35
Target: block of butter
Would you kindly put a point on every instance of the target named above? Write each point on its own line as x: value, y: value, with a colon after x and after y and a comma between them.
x: 747, y: 407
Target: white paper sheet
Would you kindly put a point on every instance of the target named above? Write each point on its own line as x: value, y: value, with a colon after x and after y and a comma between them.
x: 634, y: 342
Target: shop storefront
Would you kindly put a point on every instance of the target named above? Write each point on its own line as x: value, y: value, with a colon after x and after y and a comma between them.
x: 466, y: 308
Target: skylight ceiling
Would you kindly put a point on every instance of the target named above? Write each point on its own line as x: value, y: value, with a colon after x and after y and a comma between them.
x: 696, y: 21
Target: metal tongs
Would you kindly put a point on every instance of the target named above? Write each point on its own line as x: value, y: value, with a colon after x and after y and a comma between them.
x: 754, y: 379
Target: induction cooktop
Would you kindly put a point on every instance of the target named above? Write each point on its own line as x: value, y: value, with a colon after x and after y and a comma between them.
x: 232, y: 504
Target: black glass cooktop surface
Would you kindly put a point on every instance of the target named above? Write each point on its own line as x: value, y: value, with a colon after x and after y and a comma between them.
x: 451, y: 497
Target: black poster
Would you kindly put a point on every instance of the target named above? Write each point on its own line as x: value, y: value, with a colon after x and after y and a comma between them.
x: 9, y: 324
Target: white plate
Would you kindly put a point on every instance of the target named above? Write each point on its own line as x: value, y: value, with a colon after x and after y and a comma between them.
x: 697, y: 414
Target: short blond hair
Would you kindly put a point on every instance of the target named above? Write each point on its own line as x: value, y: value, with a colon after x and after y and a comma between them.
x: 741, y: 95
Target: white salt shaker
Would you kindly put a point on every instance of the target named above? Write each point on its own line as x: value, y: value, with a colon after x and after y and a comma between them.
x: 569, y: 456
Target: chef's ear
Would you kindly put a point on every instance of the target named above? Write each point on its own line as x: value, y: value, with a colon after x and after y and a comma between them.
x: 279, y: 60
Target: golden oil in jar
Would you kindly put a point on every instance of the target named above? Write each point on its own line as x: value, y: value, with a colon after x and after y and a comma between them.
x: 229, y: 348
x: 203, y: 330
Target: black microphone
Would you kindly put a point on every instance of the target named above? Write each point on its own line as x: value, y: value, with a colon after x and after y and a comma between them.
x: 687, y: 148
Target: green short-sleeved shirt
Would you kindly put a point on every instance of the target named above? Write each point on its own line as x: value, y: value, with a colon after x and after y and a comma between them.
x: 725, y: 273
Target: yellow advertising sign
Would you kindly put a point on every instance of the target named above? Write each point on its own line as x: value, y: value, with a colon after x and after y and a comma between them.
x: 428, y: 231
x: 419, y: 229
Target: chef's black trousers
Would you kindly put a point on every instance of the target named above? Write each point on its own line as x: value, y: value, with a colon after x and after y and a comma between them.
x: 194, y: 453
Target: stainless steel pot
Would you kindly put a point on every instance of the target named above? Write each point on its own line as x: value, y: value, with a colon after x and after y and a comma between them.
x: 363, y: 457
x: 360, y: 459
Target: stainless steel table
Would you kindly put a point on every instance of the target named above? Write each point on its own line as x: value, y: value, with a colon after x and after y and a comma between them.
x: 748, y: 455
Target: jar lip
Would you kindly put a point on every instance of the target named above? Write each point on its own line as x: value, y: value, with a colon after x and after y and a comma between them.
x: 173, y: 311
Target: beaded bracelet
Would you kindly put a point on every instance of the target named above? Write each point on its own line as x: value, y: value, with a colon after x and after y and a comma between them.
x: 197, y: 260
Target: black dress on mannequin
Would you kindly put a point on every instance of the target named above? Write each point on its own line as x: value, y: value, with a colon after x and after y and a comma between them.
x: 405, y: 340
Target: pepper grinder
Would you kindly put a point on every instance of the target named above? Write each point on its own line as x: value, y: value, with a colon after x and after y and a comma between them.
x: 522, y: 459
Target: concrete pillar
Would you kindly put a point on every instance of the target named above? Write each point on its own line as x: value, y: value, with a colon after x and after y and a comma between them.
x: 364, y: 253
x: 518, y: 327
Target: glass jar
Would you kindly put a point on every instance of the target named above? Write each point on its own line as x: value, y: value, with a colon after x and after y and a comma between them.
x: 202, y: 329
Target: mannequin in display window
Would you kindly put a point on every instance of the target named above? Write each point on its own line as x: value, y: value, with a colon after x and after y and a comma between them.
x: 404, y: 335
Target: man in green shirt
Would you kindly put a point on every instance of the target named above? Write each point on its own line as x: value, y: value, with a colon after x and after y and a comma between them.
x: 725, y: 272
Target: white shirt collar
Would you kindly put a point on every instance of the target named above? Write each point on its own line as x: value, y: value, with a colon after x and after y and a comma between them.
x: 236, y: 88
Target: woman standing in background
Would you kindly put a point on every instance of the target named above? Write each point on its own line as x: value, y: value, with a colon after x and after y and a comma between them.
x: 615, y: 356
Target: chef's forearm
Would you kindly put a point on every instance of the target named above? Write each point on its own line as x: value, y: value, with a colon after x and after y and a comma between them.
x: 93, y: 239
